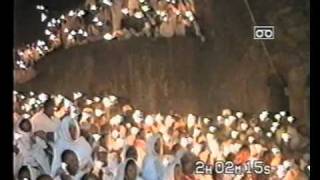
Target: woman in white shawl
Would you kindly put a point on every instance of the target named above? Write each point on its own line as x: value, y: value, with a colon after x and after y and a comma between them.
x: 174, y: 171
x: 28, y: 172
x: 68, y: 137
x: 152, y: 166
x: 130, y: 171
x: 31, y: 148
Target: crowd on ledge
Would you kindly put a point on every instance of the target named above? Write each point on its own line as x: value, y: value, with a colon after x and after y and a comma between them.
x: 99, y: 138
x: 110, y: 20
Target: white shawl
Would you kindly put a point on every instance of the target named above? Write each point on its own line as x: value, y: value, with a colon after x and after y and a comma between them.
x: 121, y: 171
x: 64, y: 141
x: 40, y: 121
x: 152, y: 166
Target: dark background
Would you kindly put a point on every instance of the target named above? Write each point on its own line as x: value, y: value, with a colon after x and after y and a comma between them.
x: 229, y: 70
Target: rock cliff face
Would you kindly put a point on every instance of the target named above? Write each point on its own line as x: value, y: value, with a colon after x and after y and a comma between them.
x: 229, y: 70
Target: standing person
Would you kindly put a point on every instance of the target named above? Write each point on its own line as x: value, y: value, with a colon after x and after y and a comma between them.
x: 44, y: 119
x: 152, y: 165
x: 130, y: 171
x: 68, y: 137
x: 116, y: 15
x: 174, y: 171
x: 28, y: 172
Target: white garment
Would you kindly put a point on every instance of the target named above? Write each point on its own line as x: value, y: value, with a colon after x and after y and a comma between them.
x: 64, y: 141
x: 17, y: 163
x: 169, y: 172
x: 121, y: 171
x: 153, y: 168
x: 40, y: 121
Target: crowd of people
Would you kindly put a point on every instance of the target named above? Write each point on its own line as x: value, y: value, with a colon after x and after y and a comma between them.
x: 109, y: 20
x: 101, y: 138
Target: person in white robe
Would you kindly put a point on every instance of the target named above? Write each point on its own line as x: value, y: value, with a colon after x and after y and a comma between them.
x: 68, y: 137
x: 129, y: 171
x: 44, y: 120
x: 173, y: 171
x: 152, y: 166
x: 28, y: 172
x: 31, y: 149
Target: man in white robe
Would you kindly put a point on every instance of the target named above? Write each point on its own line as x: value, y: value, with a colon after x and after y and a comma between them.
x: 153, y: 168
x: 44, y: 120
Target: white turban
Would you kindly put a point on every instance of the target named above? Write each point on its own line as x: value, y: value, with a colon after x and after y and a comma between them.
x: 196, y: 132
x: 26, y: 116
x: 138, y: 15
x: 116, y: 120
x: 283, y: 113
x: 287, y: 164
x: 114, y: 134
x: 273, y: 129
x: 285, y: 137
x: 257, y: 129
x: 206, y: 120
x: 134, y: 131
x: 275, y: 150
x: 269, y: 134
x: 250, y: 139
x: 128, y: 125
x: 234, y: 134
x: 277, y: 117
x: 77, y: 95
x: 191, y: 120
x: 229, y: 121
x: 196, y: 149
x: 159, y: 118
x: 275, y: 124
x: 184, y: 142
x: 166, y: 138
x: 137, y: 116
x: 96, y: 137
x: 107, y: 36
x: 149, y: 120
x: 263, y: 116
x: 119, y: 144
x: 89, y: 102
x: 169, y: 121
x: 93, y: 7
x: 290, y: 119
x: 212, y: 129
x: 226, y: 112
x: 97, y: 99
x: 220, y: 119
x: 125, y: 11
x: 43, y: 97
x: 98, y: 112
x: 239, y: 115
x: 244, y: 126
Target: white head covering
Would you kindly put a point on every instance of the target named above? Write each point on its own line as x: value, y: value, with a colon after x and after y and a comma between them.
x: 169, y: 121
x: 244, y: 126
x: 137, y: 116
x: 149, y: 120
x: 121, y: 171
x: 169, y: 175
x: 226, y: 112
x: 290, y: 119
x: 206, y: 120
x: 239, y: 115
x: 152, y: 166
x: 191, y: 120
x: 263, y: 116
x: 196, y: 132
x: 277, y: 117
x: 159, y: 118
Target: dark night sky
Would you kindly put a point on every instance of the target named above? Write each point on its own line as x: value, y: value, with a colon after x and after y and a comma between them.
x: 27, y: 25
